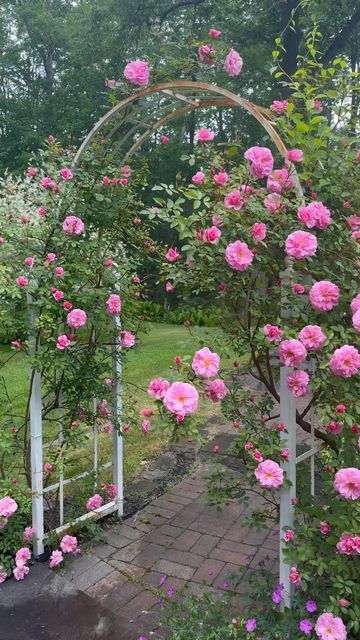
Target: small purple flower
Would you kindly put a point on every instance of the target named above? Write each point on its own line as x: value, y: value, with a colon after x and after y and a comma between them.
x: 170, y: 592
x: 311, y: 606
x: 276, y: 596
x: 306, y: 626
x: 210, y: 573
x: 251, y: 625
x: 162, y: 581
x: 226, y: 585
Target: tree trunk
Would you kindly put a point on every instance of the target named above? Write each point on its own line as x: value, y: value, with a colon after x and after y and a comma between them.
x: 290, y: 10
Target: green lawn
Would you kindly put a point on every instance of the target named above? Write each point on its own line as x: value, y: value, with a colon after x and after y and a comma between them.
x: 153, y: 356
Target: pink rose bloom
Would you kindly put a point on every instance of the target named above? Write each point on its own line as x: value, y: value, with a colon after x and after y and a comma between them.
x: 211, y: 235
x: 47, y: 183
x: 29, y: 534
x: 259, y: 231
x: 205, y: 363
x: 257, y: 455
x: 136, y: 280
x: 340, y: 408
x: 111, y: 84
x: 181, y: 398
x: 66, y: 174
x: 137, y: 72
x: 108, y: 427
x: 295, y: 577
x: 125, y: 170
x: 198, y: 178
x: 356, y: 236
x: 324, y: 295
x: 67, y: 305
x: 29, y: 261
x: 41, y: 211
x: 104, y: 409
x: 204, y: 135
x: 22, y: 281
x: 349, y: 544
x: 1, y: 240
x: 127, y: 339
x: 298, y: 382
x: 22, y: 556
x: 214, y: 33
x: 353, y: 222
x: 69, y: 544
x: 289, y: 535
x: 355, y: 303
x: 347, y: 483
x: 55, y: 559
x: 273, y: 203
x: 261, y: 160
x: 221, y: 178
x: 58, y: 295
x: 172, y: 255
x: 329, y: 627
x: 59, y: 271
x: 301, y: 244
x: 335, y: 427
x: 273, y: 333
x: 295, y: 155
x: 279, y: 180
x: 63, y: 342
x: 20, y: 572
x: 76, y: 318
x: 217, y: 222
x: 164, y: 139
x: 169, y: 287
x: 48, y: 466
x: 312, y: 337
x: 73, y: 226
x: 269, y: 474
x: 157, y: 388
x: 113, y: 304
x: 124, y: 182
x: 8, y: 506
x: 356, y: 320
x: 315, y: 214
x: 94, y: 502
x: 234, y: 200
x: 216, y: 390
x: 292, y: 352
x: 298, y: 288
x: 145, y: 426
x: 206, y: 55
x: 233, y: 63
x: 345, y: 361
x: 3, y: 575
x: 32, y: 171
x: 325, y: 528
x: 238, y: 256
x: 279, y: 107
x: 51, y: 257
x: 318, y: 105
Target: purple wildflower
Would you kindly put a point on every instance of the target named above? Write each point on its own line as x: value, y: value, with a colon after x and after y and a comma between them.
x: 170, y: 592
x: 306, y: 626
x: 277, y: 596
x: 311, y: 606
x: 162, y: 581
x: 251, y: 625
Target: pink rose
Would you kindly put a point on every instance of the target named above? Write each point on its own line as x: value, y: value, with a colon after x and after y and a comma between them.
x: 234, y: 200
x: 269, y: 474
x: 295, y: 155
x: 67, y: 305
x: 216, y: 390
x: 273, y: 333
x: 298, y: 382
x: 221, y: 178
x: 164, y: 139
x: 354, y: 222
x: 325, y: 528
x: 257, y: 455
x: 261, y: 160
x: 279, y: 180
x: 145, y: 426
x: 312, y: 337
x: 345, y: 361
x: 295, y: 577
x: 347, y: 483
x: 334, y: 427
x: 298, y: 288
x: 329, y: 627
x: 59, y: 271
x: 324, y: 295
x: 289, y: 535
x: 207, y: 55
x: 76, y: 318
x: 300, y: 245
x: 21, y: 281
x: 157, y: 388
x: 41, y: 211
x: 29, y: 261
x: 20, y: 572
x: 48, y: 467
x: 56, y: 558
x: 233, y: 63
x: 73, y: 226
x: 340, y: 408
x: 63, y: 342
x: 127, y: 339
x: 69, y: 544
x: 349, y: 544
x: 94, y: 502
x: 273, y: 203
x: 58, y: 295
x: 355, y: 304
x: 29, y: 534
x: 318, y: 105
x: 356, y: 320
x: 51, y: 257
x: 204, y: 135
x: 181, y: 398
x: 172, y: 255
x: 137, y: 72
x: 105, y: 180
x: 259, y: 231
x: 8, y: 506
x: 315, y: 214
x: 205, y: 363
x: 169, y: 287
x: 47, y: 183
x: 292, y: 352
x: 125, y: 170
x: 198, y: 178
x: 110, y: 84
x: 214, y: 33
x: 279, y: 107
x: 238, y: 256
x: 32, y: 171
x: 113, y: 304
x: 66, y: 174
x: 211, y: 235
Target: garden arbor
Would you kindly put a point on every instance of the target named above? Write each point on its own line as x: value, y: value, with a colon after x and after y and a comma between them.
x: 126, y: 127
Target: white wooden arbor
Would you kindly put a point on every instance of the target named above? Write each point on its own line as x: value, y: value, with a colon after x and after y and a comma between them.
x: 126, y: 127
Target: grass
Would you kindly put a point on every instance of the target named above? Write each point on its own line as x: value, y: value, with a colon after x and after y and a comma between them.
x: 153, y: 356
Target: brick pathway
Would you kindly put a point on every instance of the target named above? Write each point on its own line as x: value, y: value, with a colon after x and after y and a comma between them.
x: 179, y: 536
